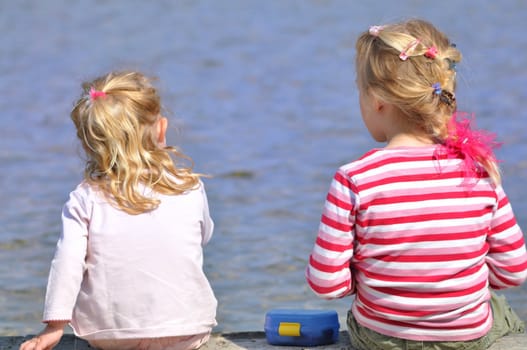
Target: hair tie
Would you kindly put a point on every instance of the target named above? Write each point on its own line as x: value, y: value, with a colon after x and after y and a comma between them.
x: 437, y: 88
x: 94, y: 94
x: 451, y: 64
x: 375, y: 30
x: 431, y: 52
x: 404, y: 54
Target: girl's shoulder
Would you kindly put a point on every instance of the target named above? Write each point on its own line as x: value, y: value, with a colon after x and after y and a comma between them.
x: 380, y: 154
x: 379, y: 157
x: 86, y: 194
x: 85, y: 189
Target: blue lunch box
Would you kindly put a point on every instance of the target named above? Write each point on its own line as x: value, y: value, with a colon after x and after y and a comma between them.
x: 301, y: 327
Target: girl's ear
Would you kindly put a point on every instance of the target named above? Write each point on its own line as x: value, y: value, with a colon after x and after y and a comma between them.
x: 162, y: 125
x: 378, y: 104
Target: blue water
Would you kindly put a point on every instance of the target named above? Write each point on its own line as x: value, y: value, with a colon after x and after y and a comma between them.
x: 262, y: 96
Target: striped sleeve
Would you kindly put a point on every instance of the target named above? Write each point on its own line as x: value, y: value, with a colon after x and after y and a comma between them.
x: 328, y: 272
x: 507, y: 256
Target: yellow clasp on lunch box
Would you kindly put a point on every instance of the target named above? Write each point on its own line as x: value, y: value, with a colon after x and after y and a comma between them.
x: 289, y: 329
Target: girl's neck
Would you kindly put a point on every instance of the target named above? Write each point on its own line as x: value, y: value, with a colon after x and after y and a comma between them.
x: 400, y: 132
x: 408, y: 140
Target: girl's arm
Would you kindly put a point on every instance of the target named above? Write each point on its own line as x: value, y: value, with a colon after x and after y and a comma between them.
x: 69, y: 263
x: 66, y: 273
x: 329, y: 273
x: 48, y: 338
x: 507, y: 256
x: 207, y: 225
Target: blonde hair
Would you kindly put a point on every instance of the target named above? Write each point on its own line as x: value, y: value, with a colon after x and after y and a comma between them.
x: 395, y: 63
x: 118, y: 132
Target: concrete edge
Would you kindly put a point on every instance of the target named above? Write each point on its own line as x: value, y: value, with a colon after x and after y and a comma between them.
x: 248, y: 340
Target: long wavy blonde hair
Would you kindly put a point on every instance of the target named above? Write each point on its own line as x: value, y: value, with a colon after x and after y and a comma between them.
x: 394, y: 63
x: 118, y: 132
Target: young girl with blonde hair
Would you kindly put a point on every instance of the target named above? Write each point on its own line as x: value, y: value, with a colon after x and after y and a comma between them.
x: 127, y: 272
x: 420, y: 229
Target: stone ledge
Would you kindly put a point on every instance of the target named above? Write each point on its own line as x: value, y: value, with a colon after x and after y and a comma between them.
x: 250, y: 340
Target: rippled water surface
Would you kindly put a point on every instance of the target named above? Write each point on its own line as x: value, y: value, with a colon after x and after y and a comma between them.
x: 263, y: 98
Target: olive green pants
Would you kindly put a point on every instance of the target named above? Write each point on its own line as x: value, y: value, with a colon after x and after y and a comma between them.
x: 505, y: 321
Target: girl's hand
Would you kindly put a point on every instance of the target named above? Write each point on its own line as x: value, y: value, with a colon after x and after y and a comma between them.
x: 47, y: 339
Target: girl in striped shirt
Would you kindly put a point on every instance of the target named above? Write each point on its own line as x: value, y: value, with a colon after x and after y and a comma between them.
x: 421, y: 230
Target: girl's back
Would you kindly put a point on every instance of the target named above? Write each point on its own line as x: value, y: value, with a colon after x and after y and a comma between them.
x: 421, y: 242
x: 143, y: 273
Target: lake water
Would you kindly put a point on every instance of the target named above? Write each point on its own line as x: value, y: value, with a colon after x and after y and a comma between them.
x: 263, y: 98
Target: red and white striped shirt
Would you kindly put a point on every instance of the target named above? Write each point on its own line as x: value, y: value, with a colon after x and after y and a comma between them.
x: 418, y: 246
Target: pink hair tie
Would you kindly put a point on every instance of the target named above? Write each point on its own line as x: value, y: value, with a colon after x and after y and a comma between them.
x: 431, y: 52
x: 94, y: 94
x: 375, y: 30
x: 404, y: 54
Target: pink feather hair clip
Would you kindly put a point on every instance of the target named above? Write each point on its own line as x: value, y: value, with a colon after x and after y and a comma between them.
x: 94, y: 94
x: 471, y: 145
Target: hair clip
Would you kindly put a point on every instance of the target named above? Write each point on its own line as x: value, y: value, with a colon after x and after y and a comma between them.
x: 448, y: 98
x: 375, y: 30
x: 431, y: 52
x: 404, y: 54
x: 437, y: 88
x: 94, y: 94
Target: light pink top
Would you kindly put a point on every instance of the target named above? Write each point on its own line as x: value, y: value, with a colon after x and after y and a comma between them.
x: 116, y: 275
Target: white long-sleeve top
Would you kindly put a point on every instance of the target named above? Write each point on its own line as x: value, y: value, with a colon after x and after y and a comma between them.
x: 116, y: 275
